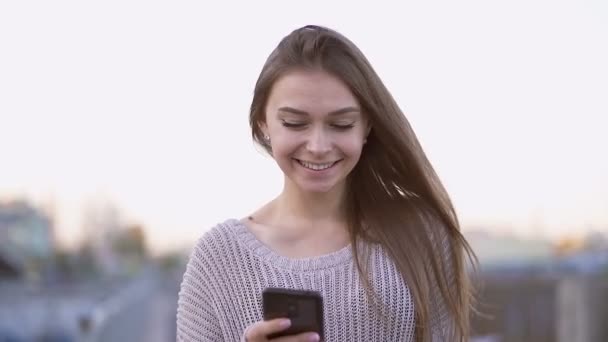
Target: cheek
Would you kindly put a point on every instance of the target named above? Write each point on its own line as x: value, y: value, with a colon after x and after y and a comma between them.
x: 355, y: 152
x: 283, y: 146
x: 351, y: 146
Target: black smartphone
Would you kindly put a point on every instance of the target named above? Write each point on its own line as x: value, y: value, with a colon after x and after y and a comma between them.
x: 303, y: 307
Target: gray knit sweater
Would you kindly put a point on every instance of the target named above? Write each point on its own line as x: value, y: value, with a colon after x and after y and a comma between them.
x: 221, y: 292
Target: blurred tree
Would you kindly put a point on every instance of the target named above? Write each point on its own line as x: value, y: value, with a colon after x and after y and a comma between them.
x: 130, y: 242
x: 117, y: 246
x: 567, y: 246
x: 172, y: 261
x: 129, y: 247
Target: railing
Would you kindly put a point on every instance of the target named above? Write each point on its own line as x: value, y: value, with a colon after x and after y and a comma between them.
x: 543, y: 308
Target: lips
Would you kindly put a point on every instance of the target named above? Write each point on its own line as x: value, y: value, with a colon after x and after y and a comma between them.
x: 316, y: 166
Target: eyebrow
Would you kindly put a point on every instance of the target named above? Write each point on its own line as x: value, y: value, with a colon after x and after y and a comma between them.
x: 332, y: 113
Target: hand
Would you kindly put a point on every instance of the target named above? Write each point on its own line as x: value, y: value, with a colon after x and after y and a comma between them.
x: 259, y: 331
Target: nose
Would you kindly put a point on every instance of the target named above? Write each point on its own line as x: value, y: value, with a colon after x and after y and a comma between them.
x: 318, y: 142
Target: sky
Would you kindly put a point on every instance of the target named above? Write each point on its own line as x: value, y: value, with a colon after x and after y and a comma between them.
x: 145, y: 105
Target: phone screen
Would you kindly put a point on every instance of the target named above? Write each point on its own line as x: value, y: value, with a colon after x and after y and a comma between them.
x: 304, y: 309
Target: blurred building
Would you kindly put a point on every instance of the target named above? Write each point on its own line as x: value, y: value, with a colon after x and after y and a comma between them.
x: 585, y: 255
x: 493, y: 250
x: 26, y: 241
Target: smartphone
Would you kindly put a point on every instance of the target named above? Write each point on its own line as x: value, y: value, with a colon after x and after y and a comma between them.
x: 303, y: 307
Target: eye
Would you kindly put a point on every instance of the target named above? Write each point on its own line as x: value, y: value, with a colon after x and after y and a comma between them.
x: 342, y: 127
x: 293, y: 124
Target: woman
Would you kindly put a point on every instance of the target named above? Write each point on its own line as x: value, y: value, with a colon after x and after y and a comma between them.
x: 362, y: 218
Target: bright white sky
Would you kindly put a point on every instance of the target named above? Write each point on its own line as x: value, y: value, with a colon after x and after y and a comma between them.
x: 146, y: 104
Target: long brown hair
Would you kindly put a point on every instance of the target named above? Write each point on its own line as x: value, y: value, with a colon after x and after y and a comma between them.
x: 394, y: 196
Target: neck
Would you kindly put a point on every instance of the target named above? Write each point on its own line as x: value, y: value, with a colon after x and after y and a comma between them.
x: 312, y: 208
x: 302, y: 224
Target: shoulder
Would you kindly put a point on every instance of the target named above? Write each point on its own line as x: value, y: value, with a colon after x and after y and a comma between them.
x: 216, y: 246
x: 222, y: 233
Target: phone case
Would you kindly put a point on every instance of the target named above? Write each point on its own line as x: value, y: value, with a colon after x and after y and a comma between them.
x: 303, y: 307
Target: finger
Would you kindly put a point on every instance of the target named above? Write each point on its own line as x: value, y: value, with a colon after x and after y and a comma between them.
x: 260, y: 330
x: 303, y: 337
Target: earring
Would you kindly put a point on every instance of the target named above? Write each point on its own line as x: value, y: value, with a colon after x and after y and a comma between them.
x: 267, y: 139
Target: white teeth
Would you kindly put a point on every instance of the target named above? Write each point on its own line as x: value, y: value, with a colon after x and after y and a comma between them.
x: 316, y: 167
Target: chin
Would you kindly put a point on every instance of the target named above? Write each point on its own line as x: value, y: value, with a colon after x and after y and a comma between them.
x: 318, y: 189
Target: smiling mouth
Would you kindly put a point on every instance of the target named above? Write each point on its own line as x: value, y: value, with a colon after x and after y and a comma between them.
x: 316, y: 166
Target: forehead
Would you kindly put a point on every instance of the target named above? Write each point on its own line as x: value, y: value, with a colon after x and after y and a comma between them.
x: 313, y: 91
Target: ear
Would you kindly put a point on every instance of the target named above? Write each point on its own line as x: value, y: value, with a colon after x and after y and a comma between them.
x: 263, y: 128
x: 368, y: 129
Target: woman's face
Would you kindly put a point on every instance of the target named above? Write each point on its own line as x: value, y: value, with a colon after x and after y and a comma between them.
x: 316, y: 129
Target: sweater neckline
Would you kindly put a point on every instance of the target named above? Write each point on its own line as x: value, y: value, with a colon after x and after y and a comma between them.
x: 264, y: 252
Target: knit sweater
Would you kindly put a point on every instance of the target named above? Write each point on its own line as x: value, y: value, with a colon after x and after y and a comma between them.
x: 221, y: 291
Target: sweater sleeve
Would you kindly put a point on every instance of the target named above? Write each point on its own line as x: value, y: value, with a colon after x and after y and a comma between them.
x: 197, y: 319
